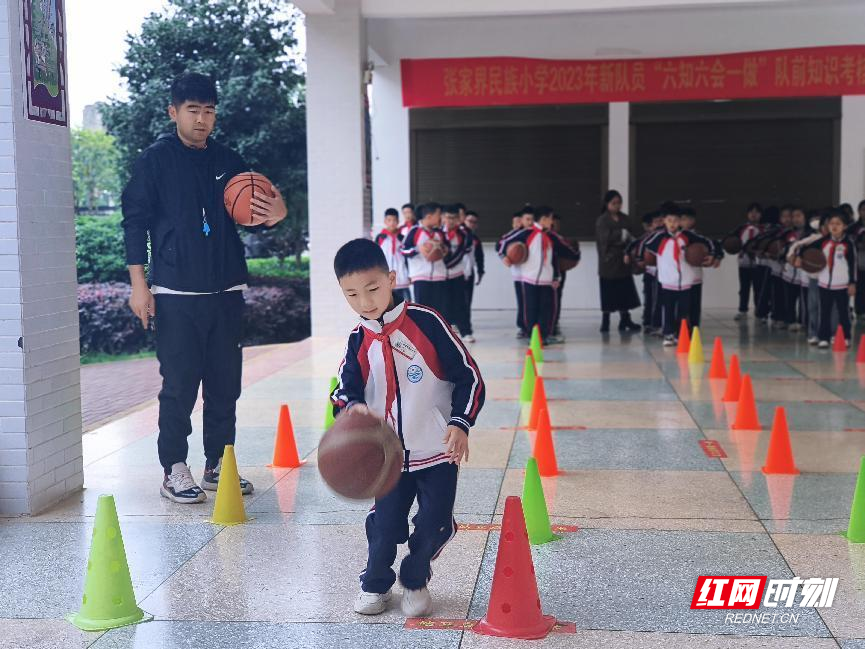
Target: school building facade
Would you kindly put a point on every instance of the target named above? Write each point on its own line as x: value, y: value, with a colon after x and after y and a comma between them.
x: 499, y: 103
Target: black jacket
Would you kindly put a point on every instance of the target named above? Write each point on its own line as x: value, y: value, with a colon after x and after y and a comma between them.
x: 173, y: 188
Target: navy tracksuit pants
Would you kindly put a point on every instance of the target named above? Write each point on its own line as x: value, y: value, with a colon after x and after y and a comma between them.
x: 387, y: 527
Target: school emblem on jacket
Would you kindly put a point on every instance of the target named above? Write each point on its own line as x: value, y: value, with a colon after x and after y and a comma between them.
x: 414, y: 373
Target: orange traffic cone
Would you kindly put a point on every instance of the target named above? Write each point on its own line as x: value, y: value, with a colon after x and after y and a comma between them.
x: 860, y: 354
x: 840, y: 342
x: 284, y: 449
x: 746, y: 411
x: 544, y: 451
x: 717, y: 370
x: 779, y: 457
x: 684, y: 339
x: 734, y: 381
x: 514, y: 610
x: 539, y: 401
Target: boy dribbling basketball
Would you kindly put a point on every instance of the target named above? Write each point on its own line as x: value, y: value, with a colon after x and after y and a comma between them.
x: 403, y: 363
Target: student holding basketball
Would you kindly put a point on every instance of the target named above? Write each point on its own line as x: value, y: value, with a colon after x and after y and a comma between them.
x: 675, y: 275
x: 403, y: 363
x: 198, y: 272
x: 425, y: 247
x: 837, y: 280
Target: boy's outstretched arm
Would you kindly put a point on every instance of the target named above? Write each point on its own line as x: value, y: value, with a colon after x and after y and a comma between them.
x: 352, y: 375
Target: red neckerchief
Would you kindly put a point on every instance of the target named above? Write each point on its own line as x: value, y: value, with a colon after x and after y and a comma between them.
x: 389, y: 364
x: 394, y: 237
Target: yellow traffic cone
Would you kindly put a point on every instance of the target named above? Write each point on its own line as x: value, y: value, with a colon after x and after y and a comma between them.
x: 695, y: 353
x: 228, y: 509
x: 108, y: 601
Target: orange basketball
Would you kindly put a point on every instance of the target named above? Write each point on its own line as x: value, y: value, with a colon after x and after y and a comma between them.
x: 517, y: 252
x: 360, y: 456
x: 432, y: 251
x: 239, y: 192
x: 650, y: 258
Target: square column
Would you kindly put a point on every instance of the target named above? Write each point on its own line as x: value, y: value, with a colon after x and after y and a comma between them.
x: 40, y: 396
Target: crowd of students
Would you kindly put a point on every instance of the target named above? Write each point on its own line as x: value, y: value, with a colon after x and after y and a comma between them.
x: 800, y: 268
x: 438, y: 259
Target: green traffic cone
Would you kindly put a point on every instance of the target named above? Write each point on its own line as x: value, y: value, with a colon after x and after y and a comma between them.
x: 527, y: 389
x: 535, y: 507
x: 108, y: 601
x: 536, y: 345
x: 856, y: 528
x: 328, y: 412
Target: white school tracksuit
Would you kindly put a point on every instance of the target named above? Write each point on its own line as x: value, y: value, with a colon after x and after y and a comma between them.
x: 412, y: 370
x: 537, y: 274
x: 428, y: 278
x: 833, y: 280
x: 391, y: 245
x: 676, y: 276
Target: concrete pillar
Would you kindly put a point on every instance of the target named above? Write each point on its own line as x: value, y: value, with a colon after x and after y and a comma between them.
x: 335, y: 48
x: 40, y: 397
x: 391, y: 150
x: 619, y: 151
x: 852, y: 181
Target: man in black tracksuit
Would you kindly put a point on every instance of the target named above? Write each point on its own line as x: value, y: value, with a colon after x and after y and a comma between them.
x: 197, y: 273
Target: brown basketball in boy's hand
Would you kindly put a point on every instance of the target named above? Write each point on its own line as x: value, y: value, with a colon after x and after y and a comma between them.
x: 239, y: 192
x: 432, y: 250
x: 360, y: 456
x: 813, y: 260
x: 517, y: 253
x: 732, y: 245
x: 696, y: 253
x: 650, y: 258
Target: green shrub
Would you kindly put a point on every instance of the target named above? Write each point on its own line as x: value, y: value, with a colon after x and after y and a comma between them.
x: 270, y: 268
x: 100, y: 249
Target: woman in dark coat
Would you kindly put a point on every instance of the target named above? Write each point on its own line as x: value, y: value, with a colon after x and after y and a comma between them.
x: 618, y: 292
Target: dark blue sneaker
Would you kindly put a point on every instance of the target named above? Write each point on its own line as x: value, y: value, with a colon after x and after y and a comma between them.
x: 210, y: 481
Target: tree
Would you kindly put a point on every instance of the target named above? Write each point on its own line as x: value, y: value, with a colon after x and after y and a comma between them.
x: 95, y: 162
x: 246, y: 46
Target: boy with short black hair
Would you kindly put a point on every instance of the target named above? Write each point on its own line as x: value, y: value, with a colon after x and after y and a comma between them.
x: 390, y: 241
x: 428, y: 277
x: 675, y: 274
x: 409, y: 219
x: 540, y: 274
x: 652, y: 222
x: 473, y: 268
x: 517, y: 224
x: 404, y: 364
x: 837, y: 280
x: 459, y: 243
x: 174, y: 199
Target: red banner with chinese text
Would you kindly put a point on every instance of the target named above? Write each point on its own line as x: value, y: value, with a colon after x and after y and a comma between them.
x: 500, y: 81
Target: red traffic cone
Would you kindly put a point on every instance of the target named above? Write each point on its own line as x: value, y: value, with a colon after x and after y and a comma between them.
x: 734, y: 381
x: 544, y: 451
x: 539, y: 402
x: 717, y: 370
x: 779, y: 457
x: 684, y: 339
x: 514, y: 609
x: 284, y: 449
x: 860, y: 354
x: 746, y: 411
x: 840, y: 342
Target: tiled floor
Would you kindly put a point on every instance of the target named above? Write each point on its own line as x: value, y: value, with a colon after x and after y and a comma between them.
x: 654, y: 510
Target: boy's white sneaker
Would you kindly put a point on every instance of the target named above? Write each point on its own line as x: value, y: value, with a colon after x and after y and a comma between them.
x: 823, y: 344
x: 371, y: 603
x: 813, y: 340
x: 416, y: 603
